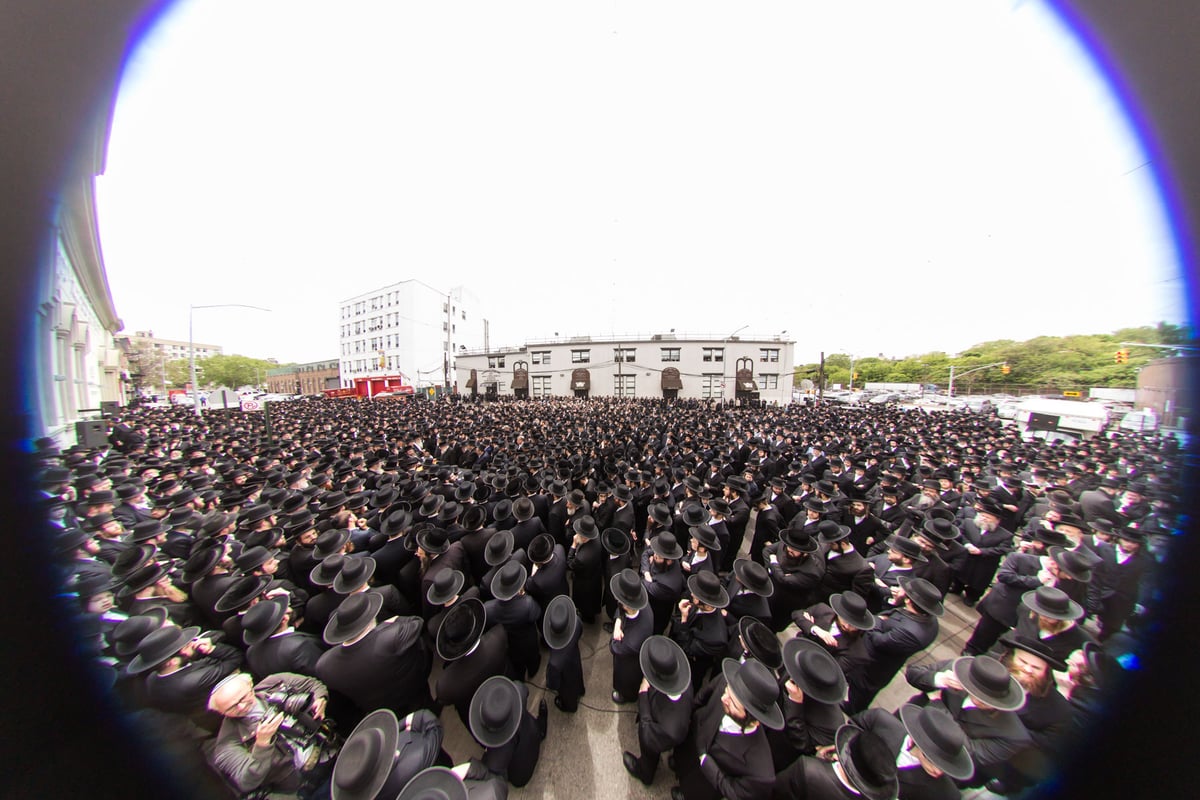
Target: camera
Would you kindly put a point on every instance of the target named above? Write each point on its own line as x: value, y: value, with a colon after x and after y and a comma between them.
x: 298, y: 720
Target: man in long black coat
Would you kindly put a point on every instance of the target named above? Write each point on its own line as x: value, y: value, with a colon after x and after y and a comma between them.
x: 585, y: 561
x: 663, y: 718
x: 380, y: 665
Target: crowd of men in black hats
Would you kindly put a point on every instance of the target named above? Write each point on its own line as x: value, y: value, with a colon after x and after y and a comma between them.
x: 241, y: 588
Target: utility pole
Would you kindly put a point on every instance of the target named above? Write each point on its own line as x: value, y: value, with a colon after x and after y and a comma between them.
x: 446, y: 355
x: 821, y: 380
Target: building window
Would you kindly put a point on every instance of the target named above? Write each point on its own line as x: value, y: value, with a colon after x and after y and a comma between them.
x: 769, y: 381
x: 541, y: 385
x: 539, y: 356
x: 581, y: 356
x: 714, y: 354
x: 623, y: 385
x: 625, y: 354
x: 495, y: 362
x: 711, y: 386
x: 770, y: 354
x: 670, y: 354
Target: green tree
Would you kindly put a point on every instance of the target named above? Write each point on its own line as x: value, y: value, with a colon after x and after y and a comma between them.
x: 233, y: 371
x: 179, y: 374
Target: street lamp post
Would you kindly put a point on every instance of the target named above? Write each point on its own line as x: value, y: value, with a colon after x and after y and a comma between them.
x: 192, y: 346
x: 725, y: 361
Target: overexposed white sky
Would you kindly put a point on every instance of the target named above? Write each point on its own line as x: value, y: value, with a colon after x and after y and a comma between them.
x: 872, y: 177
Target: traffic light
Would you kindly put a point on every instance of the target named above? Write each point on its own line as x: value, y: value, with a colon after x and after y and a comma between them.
x: 1122, y: 357
x: 1005, y: 369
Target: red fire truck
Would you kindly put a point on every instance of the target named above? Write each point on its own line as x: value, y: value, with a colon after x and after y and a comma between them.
x: 376, y: 386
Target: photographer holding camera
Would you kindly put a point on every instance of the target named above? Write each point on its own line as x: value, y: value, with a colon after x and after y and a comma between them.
x: 273, y: 734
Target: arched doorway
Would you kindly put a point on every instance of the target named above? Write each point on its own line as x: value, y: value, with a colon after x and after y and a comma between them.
x: 746, y: 389
x: 671, y: 383
x: 520, y: 380
x: 581, y: 382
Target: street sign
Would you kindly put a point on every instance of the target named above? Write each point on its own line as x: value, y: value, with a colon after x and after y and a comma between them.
x: 1072, y: 394
x: 251, y: 404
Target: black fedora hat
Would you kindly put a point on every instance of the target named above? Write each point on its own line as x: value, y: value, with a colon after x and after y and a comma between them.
x: 128, y: 633
x: 148, y: 574
x: 396, y: 522
x: 1130, y: 534
x: 1051, y: 538
x: 473, y: 517
x: 541, y: 549
x: 906, y: 547
x: 924, y: 595
x: 988, y: 682
x: 706, y: 587
x: 1075, y: 564
x: 498, y: 548
x: 241, y: 592
x: 664, y: 665
x: 449, y: 512
x: 433, y: 541
x: 665, y: 546
x: 939, y: 530
x: 623, y: 493
x: 718, y: 506
x: 447, y: 583
x: 829, y: 531
x: 326, y: 571
x: 330, y: 542
x: 940, y: 739
x: 693, y: 514
x: 627, y: 587
x: 461, y: 629
x: 706, y: 536
x: 851, y: 607
x: 254, y: 557
x: 352, y: 617
x: 160, y: 645
x: 797, y: 539
x: 761, y: 642
x: 252, y: 515
x: 522, y: 509
x: 868, y: 762
x: 560, y: 622
x: 814, y: 504
x: 615, y: 541
x: 660, y: 513
x: 1052, y: 602
x: 131, y: 559
x: 431, y: 505
x: 509, y: 580
x: 585, y: 526
x: 332, y: 501
x: 755, y: 688
x: 366, y: 758
x: 1034, y: 647
x: 496, y: 711
x: 753, y: 576
x: 503, y: 510
x: 814, y: 670
x: 147, y: 530
x: 355, y: 572
x: 299, y: 522
x: 434, y: 783
x: 261, y: 621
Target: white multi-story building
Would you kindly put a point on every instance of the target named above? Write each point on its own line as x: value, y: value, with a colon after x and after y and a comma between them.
x: 408, y: 328
x: 171, y: 349
x: 76, y: 363
x: 719, y: 368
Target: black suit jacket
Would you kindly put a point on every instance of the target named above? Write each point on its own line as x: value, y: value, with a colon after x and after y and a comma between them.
x: 738, y: 767
x: 845, y: 572
x: 185, y: 691
x: 523, y: 532
x: 287, y: 652
x: 915, y: 782
x: 662, y: 723
x: 388, y: 668
x: 461, y: 677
